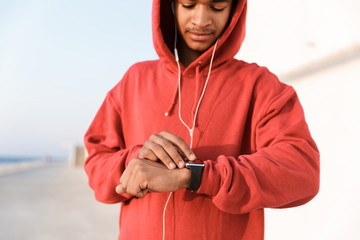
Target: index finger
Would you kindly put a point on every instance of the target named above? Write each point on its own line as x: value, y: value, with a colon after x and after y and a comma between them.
x: 180, y: 143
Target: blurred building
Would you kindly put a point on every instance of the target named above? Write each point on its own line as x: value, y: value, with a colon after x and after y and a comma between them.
x: 77, y: 154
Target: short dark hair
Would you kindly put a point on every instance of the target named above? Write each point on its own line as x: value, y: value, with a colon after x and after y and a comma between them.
x: 233, y: 6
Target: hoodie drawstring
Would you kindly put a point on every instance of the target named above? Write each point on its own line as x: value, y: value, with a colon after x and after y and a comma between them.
x: 175, y: 92
x: 172, y: 102
x: 197, y: 87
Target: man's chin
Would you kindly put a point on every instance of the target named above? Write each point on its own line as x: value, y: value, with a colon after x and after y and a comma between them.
x: 199, y: 47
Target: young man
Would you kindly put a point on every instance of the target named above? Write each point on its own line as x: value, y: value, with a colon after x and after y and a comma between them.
x: 199, y: 103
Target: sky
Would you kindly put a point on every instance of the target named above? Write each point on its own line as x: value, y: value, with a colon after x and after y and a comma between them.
x: 58, y: 59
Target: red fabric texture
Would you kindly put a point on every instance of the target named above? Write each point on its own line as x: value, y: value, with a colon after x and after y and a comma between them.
x: 250, y: 133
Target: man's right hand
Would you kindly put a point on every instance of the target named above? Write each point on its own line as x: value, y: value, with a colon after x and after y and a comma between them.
x: 143, y: 176
x: 168, y: 149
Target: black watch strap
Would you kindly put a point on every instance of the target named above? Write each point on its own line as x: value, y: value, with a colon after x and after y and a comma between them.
x: 196, y: 170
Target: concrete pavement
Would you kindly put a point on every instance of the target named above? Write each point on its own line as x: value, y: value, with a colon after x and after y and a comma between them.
x: 53, y: 202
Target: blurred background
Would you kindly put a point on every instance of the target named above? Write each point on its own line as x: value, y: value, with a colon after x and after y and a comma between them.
x: 58, y: 59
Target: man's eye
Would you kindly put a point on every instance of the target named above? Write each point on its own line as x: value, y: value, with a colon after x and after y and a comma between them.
x: 218, y: 9
x: 188, y: 6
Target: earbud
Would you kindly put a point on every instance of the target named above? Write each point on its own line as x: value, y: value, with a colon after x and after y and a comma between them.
x: 173, y: 7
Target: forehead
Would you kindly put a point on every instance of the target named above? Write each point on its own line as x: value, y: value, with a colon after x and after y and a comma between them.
x: 207, y: 1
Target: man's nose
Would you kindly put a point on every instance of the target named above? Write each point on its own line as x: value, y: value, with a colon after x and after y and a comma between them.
x: 201, y: 16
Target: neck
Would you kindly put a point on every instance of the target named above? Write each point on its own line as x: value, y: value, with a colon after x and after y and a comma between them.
x: 186, y: 54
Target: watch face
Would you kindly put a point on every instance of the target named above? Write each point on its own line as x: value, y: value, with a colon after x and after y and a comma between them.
x: 189, y: 165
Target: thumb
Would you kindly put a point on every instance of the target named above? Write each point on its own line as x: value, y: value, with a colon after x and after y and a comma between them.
x: 119, y: 189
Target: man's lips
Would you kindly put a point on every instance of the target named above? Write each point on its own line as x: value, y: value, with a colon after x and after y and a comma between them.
x: 200, y: 36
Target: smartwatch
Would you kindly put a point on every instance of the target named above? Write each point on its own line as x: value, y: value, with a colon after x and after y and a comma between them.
x: 196, y: 170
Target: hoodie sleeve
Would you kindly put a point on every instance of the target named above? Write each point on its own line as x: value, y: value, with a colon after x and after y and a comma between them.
x: 282, y: 172
x: 108, y: 156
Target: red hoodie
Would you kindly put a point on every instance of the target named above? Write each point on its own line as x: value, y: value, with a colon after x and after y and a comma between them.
x: 250, y: 132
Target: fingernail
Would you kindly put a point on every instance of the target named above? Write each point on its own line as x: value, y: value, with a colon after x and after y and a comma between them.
x: 172, y: 165
x: 192, y: 157
x: 181, y: 164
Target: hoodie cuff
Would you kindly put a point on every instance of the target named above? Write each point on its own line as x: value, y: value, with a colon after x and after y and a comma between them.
x: 210, y: 180
x: 134, y: 153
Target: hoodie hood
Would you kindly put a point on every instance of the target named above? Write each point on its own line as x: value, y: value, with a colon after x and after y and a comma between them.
x: 163, y: 28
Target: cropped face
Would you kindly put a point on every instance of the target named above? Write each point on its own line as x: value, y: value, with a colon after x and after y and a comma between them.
x: 201, y: 22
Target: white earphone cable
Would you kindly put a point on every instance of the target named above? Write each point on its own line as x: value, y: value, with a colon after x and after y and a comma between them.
x: 191, y: 130
x: 167, y: 201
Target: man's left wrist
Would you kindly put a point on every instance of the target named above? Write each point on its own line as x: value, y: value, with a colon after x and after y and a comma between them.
x: 196, y: 170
